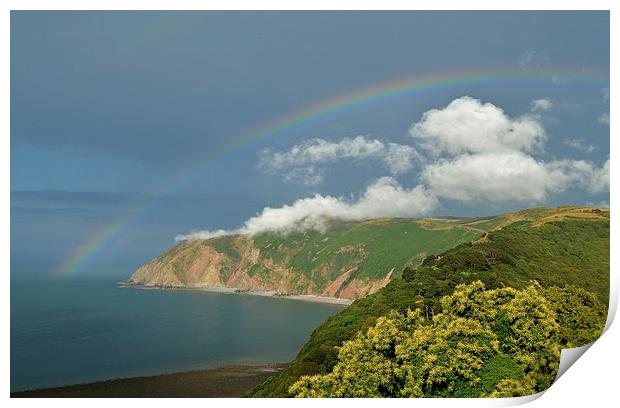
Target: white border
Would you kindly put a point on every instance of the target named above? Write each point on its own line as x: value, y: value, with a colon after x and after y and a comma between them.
x: 593, y: 379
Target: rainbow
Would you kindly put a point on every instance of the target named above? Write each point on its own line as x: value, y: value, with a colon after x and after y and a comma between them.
x: 95, y: 244
x: 407, y: 87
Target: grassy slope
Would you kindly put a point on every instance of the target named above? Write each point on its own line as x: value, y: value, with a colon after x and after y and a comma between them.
x: 541, y: 246
x: 372, y: 248
x: 375, y: 246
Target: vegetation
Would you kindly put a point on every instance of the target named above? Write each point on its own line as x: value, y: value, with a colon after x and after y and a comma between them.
x: 552, y: 254
x: 501, y: 342
x: 564, y: 248
x: 358, y: 256
x: 391, y: 242
x: 370, y: 248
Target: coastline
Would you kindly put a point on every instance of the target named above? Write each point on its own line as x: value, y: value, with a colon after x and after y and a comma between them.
x: 227, y: 381
x: 239, y: 291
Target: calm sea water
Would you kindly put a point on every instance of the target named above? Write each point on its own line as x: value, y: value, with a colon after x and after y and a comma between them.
x: 73, y: 332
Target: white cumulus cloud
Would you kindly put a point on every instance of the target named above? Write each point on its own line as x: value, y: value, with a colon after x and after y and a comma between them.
x: 580, y: 144
x: 482, y: 154
x: 205, y: 234
x: 321, y: 151
x: 540, y: 105
x: 467, y: 125
x: 494, y: 177
x: 308, y: 176
x: 383, y: 198
x: 300, y: 163
x: 399, y: 158
x: 511, y: 176
x: 596, y: 180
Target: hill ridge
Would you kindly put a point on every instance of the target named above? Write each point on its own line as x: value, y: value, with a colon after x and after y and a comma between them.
x: 543, y: 247
x: 349, y: 260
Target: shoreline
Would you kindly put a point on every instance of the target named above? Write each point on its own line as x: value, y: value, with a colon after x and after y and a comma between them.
x: 239, y: 291
x: 228, y: 381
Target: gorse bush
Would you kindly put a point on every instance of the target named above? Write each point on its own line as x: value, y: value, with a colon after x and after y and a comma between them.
x: 493, y: 343
x: 579, y: 313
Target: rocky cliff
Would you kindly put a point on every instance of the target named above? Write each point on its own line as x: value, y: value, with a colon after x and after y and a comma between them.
x: 348, y: 261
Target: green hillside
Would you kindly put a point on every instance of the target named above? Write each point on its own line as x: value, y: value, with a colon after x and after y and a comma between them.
x: 539, y: 247
x: 349, y: 260
x: 376, y: 243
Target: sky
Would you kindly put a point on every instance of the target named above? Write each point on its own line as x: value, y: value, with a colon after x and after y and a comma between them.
x: 132, y: 129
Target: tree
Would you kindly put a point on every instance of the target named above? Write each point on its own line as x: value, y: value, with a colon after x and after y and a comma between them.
x: 501, y: 342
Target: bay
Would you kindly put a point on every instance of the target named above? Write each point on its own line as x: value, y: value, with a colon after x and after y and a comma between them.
x: 71, y: 331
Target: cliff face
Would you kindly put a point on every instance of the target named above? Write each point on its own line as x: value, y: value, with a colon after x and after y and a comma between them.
x: 348, y: 261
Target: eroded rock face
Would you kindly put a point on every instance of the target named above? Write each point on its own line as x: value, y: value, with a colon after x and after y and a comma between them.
x: 348, y: 262
x: 198, y: 264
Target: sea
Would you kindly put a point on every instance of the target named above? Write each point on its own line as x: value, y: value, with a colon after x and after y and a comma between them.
x: 72, y: 331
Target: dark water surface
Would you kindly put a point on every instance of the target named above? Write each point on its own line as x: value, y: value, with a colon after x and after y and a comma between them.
x: 82, y: 331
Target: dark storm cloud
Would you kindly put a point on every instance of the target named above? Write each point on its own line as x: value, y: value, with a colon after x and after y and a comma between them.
x: 168, y: 88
